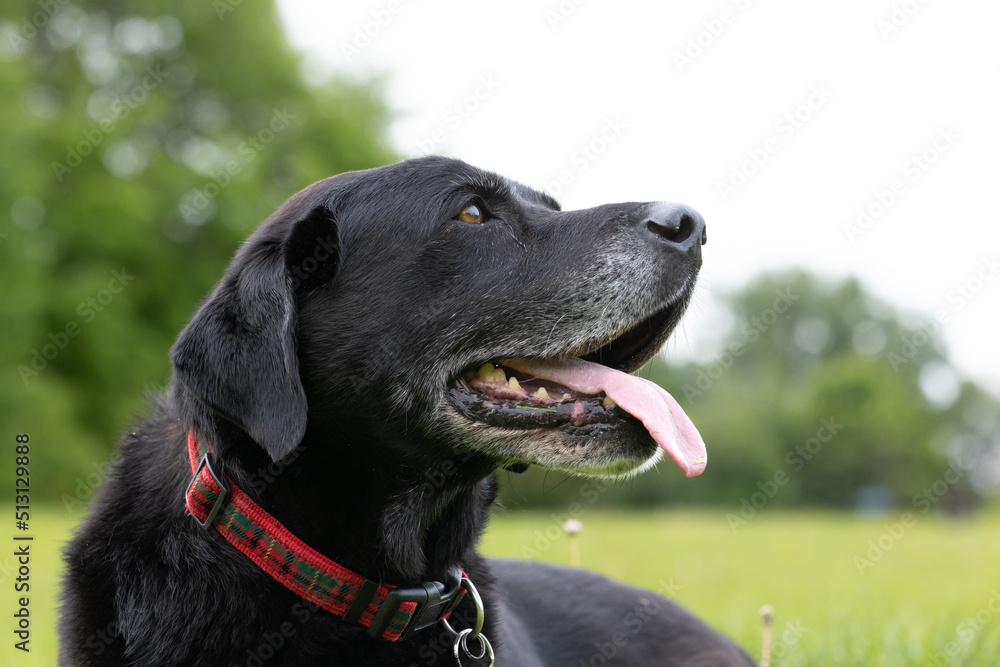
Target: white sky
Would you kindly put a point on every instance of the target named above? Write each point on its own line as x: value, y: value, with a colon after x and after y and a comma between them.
x: 550, y: 82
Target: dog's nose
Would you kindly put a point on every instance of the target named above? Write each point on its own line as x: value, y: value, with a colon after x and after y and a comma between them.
x: 677, y: 225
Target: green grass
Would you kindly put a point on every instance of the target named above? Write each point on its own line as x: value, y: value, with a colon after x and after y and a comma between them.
x: 929, y: 592
x: 920, y: 597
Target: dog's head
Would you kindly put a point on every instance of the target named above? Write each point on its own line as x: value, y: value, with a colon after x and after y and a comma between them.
x: 451, y: 309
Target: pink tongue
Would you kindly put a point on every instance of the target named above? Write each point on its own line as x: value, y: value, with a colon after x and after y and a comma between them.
x: 644, y: 400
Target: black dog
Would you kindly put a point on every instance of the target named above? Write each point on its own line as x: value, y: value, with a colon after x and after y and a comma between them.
x: 342, y: 388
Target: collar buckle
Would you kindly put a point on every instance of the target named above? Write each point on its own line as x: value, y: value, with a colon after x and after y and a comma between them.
x: 435, y: 600
x: 210, y: 463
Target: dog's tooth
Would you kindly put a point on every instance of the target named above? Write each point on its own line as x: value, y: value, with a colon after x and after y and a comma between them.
x: 608, y: 402
x: 513, y: 383
x: 541, y: 393
x: 491, y: 373
x: 566, y: 397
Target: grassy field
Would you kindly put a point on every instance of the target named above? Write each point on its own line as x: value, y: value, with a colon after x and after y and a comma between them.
x: 846, y: 590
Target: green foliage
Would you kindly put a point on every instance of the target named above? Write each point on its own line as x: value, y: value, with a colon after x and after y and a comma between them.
x: 142, y: 144
x: 814, y: 399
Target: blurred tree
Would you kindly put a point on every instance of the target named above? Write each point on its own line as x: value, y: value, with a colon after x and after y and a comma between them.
x: 142, y: 143
x: 820, y: 395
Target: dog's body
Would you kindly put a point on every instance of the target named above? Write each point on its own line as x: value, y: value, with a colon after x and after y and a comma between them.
x: 334, y: 372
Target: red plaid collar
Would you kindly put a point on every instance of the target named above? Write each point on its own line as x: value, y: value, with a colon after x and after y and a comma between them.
x: 387, y: 611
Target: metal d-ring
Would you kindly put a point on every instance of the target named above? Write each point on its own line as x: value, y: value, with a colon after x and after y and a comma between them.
x: 461, y: 638
x: 480, y: 611
x: 484, y: 647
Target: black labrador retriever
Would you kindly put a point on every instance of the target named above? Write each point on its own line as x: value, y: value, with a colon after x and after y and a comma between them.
x: 311, y: 489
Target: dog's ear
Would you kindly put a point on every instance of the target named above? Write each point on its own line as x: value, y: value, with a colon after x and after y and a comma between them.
x: 238, y: 354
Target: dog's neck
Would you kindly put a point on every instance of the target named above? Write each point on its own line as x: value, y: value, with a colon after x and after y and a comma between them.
x: 380, y: 511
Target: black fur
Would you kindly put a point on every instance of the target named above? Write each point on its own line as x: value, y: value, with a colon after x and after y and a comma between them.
x: 319, y: 367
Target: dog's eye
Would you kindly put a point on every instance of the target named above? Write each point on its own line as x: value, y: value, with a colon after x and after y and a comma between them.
x: 472, y: 214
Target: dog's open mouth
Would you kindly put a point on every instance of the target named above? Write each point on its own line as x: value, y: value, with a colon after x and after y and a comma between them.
x: 584, y: 395
x: 502, y: 396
